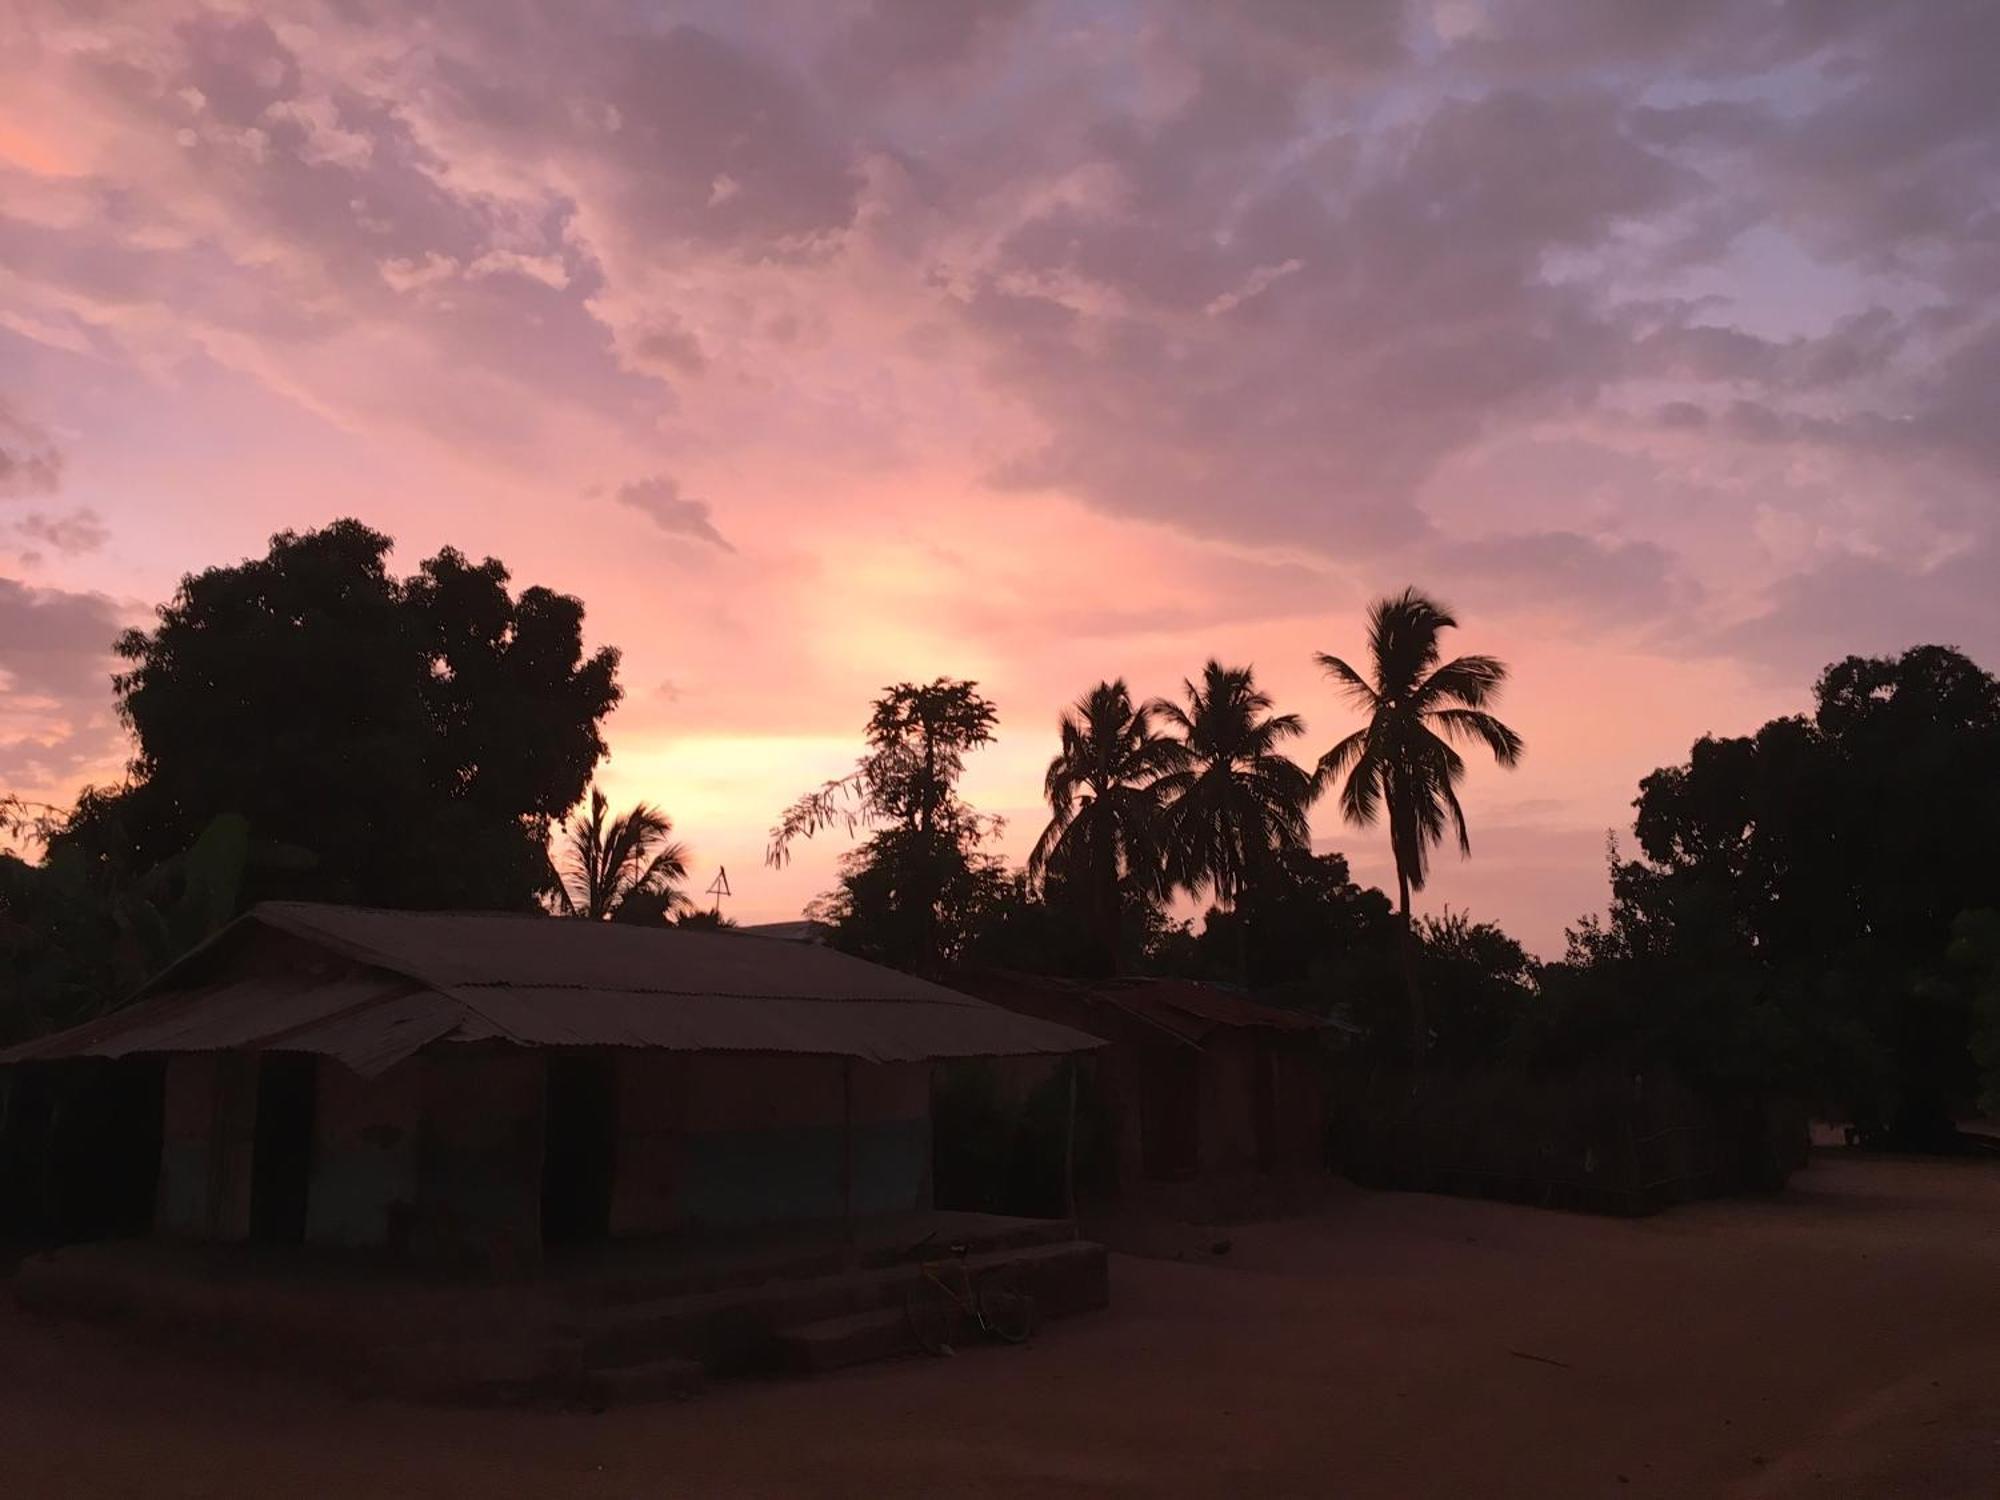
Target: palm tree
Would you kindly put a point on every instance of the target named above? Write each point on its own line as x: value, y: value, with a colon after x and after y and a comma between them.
x: 1104, y: 805
x: 1402, y: 759
x: 630, y: 862
x: 1232, y: 799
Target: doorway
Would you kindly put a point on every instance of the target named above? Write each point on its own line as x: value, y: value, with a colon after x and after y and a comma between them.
x: 102, y: 1122
x: 579, y: 1143
x: 281, y: 1151
x: 1170, y: 1111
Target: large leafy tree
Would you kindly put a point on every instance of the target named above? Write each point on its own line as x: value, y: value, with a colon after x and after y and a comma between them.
x: 1810, y: 875
x: 1102, y: 839
x: 1402, y: 762
x: 417, y: 737
x: 905, y: 893
x: 628, y: 868
x: 1233, y: 799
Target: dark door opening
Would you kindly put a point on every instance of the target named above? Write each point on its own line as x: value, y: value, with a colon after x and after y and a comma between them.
x: 281, y: 1154
x: 1264, y: 1104
x: 1170, y: 1111
x: 580, y: 1139
x: 104, y: 1123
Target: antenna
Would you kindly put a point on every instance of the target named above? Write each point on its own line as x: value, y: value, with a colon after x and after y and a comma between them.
x: 719, y: 887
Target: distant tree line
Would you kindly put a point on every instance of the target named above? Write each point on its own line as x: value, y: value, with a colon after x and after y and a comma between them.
x: 1193, y: 797
x: 1814, y: 907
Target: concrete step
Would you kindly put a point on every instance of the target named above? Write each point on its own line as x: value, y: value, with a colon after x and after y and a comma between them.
x: 836, y: 1343
x: 740, y: 1330
x: 656, y: 1380
x: 623, y: 1278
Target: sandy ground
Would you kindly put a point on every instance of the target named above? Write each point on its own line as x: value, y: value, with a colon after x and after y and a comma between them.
x: 1840, y: 1341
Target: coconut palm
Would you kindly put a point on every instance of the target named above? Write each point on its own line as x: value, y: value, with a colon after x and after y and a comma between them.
x: 1102, y: 838
x: 630, y: 860
x: 1231, y: 798
x: 1402, y: 760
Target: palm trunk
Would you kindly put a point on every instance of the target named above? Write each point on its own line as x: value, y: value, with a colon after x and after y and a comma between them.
x: 1406, y: 944
x: 1234, y: 905
x: 1110, y: 912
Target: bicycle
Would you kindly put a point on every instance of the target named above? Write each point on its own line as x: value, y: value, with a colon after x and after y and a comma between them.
x: 996, y: 1303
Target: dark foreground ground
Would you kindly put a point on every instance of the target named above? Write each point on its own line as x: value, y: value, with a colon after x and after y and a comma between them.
x: 1843, y: 1340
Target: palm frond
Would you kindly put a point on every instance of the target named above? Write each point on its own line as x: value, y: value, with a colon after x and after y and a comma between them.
x: 1471, y: 681
x: 1335, y: 762
x: 1352, y: 682
x: 668, y: 867
x: 1471, y: 725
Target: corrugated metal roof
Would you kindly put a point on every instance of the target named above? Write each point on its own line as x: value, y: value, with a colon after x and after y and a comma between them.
x: 544, y: 981
x: 1184, y: 1008
x: 1197, y: 1009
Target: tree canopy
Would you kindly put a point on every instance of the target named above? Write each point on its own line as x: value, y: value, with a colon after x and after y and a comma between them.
x: 906, y: 895
x: 1102, y: 841
x: 1796, y: 893
x: 415, y: 737
x: 623, y: 869
x: 1233, y: 799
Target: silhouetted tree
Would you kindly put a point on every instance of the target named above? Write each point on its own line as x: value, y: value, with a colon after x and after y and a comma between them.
x: 80, y: 933
x: 1102, y: 839
x: 1480, y: 981
x: 1402, y: 761
x: 902, y: 894
x: 705, y: 921
x: 418, y: 737
x: 1975, y: 954
x: 628, y: 868
x: 1796, y: 890
x: 1306, y: 934
x: 912, y: 899
x: 1232, y: 799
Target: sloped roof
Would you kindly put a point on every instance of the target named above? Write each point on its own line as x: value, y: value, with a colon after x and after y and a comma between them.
x: 1185, y: 1008
x: 414, y: 978
x: 1195, y: 1009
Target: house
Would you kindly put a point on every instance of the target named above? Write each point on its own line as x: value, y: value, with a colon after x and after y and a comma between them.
x: 1196, y: 1081
x: 473, y: 1088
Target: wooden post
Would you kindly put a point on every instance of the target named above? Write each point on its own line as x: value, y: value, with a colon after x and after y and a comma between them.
x: 847, y: 1155
x: 1069, y: 1148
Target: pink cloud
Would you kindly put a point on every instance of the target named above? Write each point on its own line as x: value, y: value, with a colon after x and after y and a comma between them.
x: 1036, y: 342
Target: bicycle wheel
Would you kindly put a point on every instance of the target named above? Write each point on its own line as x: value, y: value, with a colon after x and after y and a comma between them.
x: 934, y: 1316
x: 1007, y: 1308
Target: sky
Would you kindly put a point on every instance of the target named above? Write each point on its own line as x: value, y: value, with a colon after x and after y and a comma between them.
x: 822, y: 345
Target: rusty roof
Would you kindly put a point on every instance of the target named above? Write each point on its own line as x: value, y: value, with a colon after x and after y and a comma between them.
x: 1185, y: 1008
x: 414, y: 978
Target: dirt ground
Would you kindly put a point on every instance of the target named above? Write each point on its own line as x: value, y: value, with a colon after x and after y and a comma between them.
x: 1840, y: 1341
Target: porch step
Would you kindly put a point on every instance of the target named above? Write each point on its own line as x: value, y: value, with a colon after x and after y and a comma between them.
x: 624, y: 1278
x: 657, y: 1380
x: 750, y: 1329
x: 836, y: 1343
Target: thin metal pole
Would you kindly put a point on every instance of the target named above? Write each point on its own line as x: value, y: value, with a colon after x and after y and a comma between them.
x: 1069, y: 1148
x: 847, y: 1153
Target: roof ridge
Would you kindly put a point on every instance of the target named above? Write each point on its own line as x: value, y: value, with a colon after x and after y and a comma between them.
x: 361, y: 952
x: 411, y: 911
x: 945, y: 996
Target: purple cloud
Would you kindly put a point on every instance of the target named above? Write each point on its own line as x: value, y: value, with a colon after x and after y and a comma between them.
x: 30, y: 462
x: 56, y: 716
x: 659, y: 499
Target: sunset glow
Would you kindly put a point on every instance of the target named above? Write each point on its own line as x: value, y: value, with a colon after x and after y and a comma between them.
x: 821, y: 346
